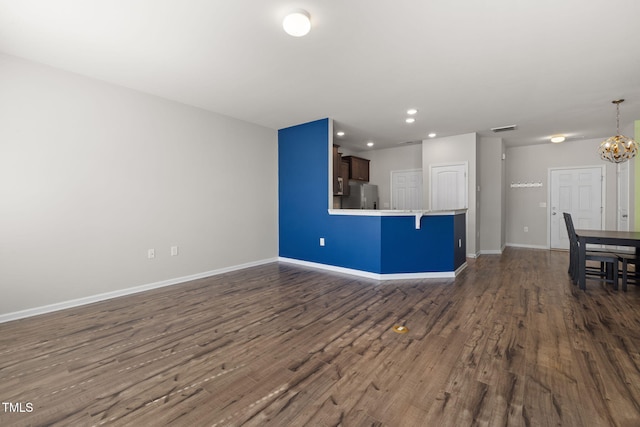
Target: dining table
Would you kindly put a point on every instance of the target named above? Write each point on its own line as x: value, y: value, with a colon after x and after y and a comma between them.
x: 602, y: 237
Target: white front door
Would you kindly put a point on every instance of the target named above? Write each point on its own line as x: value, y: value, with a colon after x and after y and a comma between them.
x: 578, y: 192
x: 449, y: 186
x: 406, y: 190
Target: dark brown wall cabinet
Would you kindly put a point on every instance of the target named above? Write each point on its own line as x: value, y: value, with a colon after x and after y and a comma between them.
x: 358, y: 168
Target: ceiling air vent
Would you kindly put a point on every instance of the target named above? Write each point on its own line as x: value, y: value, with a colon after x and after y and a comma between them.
x: 504, y: 128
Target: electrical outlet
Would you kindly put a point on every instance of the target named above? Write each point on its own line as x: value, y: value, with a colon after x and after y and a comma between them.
x: 151, y: 253
x: 526, y: 229
x: 174, y: 251
x: 322, y: 241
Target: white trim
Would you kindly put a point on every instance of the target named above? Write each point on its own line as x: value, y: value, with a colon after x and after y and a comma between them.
x: 330, y: 169
x: 623, y: 197
x: 122, y: 292
x: 459, y: 269
x: 375, y: 276
x: 491, y: 252
x: 518, y: 245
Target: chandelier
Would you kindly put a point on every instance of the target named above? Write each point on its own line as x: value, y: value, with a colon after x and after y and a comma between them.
x: 619, y: 148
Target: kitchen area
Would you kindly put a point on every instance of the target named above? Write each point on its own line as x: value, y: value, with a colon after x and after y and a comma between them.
x: 362, y: 232
x: 352, y: 189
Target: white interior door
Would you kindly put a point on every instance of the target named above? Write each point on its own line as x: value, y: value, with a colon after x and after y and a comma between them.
x: 406, y: 190
x: 578, y: 192
x: 449, y: 186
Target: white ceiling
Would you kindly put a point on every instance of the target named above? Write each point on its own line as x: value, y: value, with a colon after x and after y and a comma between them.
x: 548, y: 66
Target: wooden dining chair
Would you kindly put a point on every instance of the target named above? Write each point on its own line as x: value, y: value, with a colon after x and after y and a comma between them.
x: 628, y: 259
x: 607, y: 269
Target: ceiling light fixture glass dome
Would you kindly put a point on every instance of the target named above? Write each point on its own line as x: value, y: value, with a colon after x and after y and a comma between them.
x: 297, y: 23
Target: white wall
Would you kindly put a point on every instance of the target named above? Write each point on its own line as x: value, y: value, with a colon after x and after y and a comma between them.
x: 439, y: 151
x: 531, y: 164
x: 634, y: 172
x: 93, y: 175
x: 503, y: 185
x: 491, y: 181
x: 406, y: 157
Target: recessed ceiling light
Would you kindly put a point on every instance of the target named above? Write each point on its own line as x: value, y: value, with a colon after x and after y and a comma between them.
x: 297, y: 23
x: 370, y: 144
x: 432, y: 135
x: 556, y: 139
x: 411, y: 111
x: 340, y: 133
x: 410, y: 120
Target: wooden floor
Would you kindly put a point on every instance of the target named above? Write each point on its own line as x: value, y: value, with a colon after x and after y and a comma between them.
x: 510, y: 342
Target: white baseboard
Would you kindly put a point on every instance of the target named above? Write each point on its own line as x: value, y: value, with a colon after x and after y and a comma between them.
x: 459, y: 269
x: 122, y: 292
x: 518, y: 245
x: 491, y: 252
x: 375, y: 276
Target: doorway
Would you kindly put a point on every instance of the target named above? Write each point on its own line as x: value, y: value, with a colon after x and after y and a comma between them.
x: 406, y: 189
x: 578, y: 191
x: 449, y: 186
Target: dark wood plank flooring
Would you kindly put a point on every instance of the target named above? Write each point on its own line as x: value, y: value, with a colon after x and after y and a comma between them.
x: 510, y: 342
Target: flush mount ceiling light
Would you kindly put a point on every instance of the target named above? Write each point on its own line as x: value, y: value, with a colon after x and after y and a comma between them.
x: 618, y: 148
x: 297, y: 23
x: 557, y: 139
x: 432, y: 135
x: 410, y: 120
x: 340, y: 133
x: 411, y: 111
x: 370, y: 144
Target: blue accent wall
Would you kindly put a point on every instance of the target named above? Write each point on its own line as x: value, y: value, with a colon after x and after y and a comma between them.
x: 407, y: 250
x: 374, y: 244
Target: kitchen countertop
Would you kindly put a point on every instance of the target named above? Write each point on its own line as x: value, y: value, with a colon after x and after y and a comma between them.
x: 418, y: 214
x: 395, y: 212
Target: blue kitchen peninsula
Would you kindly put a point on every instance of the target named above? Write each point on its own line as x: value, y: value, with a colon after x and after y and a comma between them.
x: 373, y: 243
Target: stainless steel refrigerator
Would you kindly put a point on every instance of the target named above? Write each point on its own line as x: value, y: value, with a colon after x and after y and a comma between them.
x: 361, y: 196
